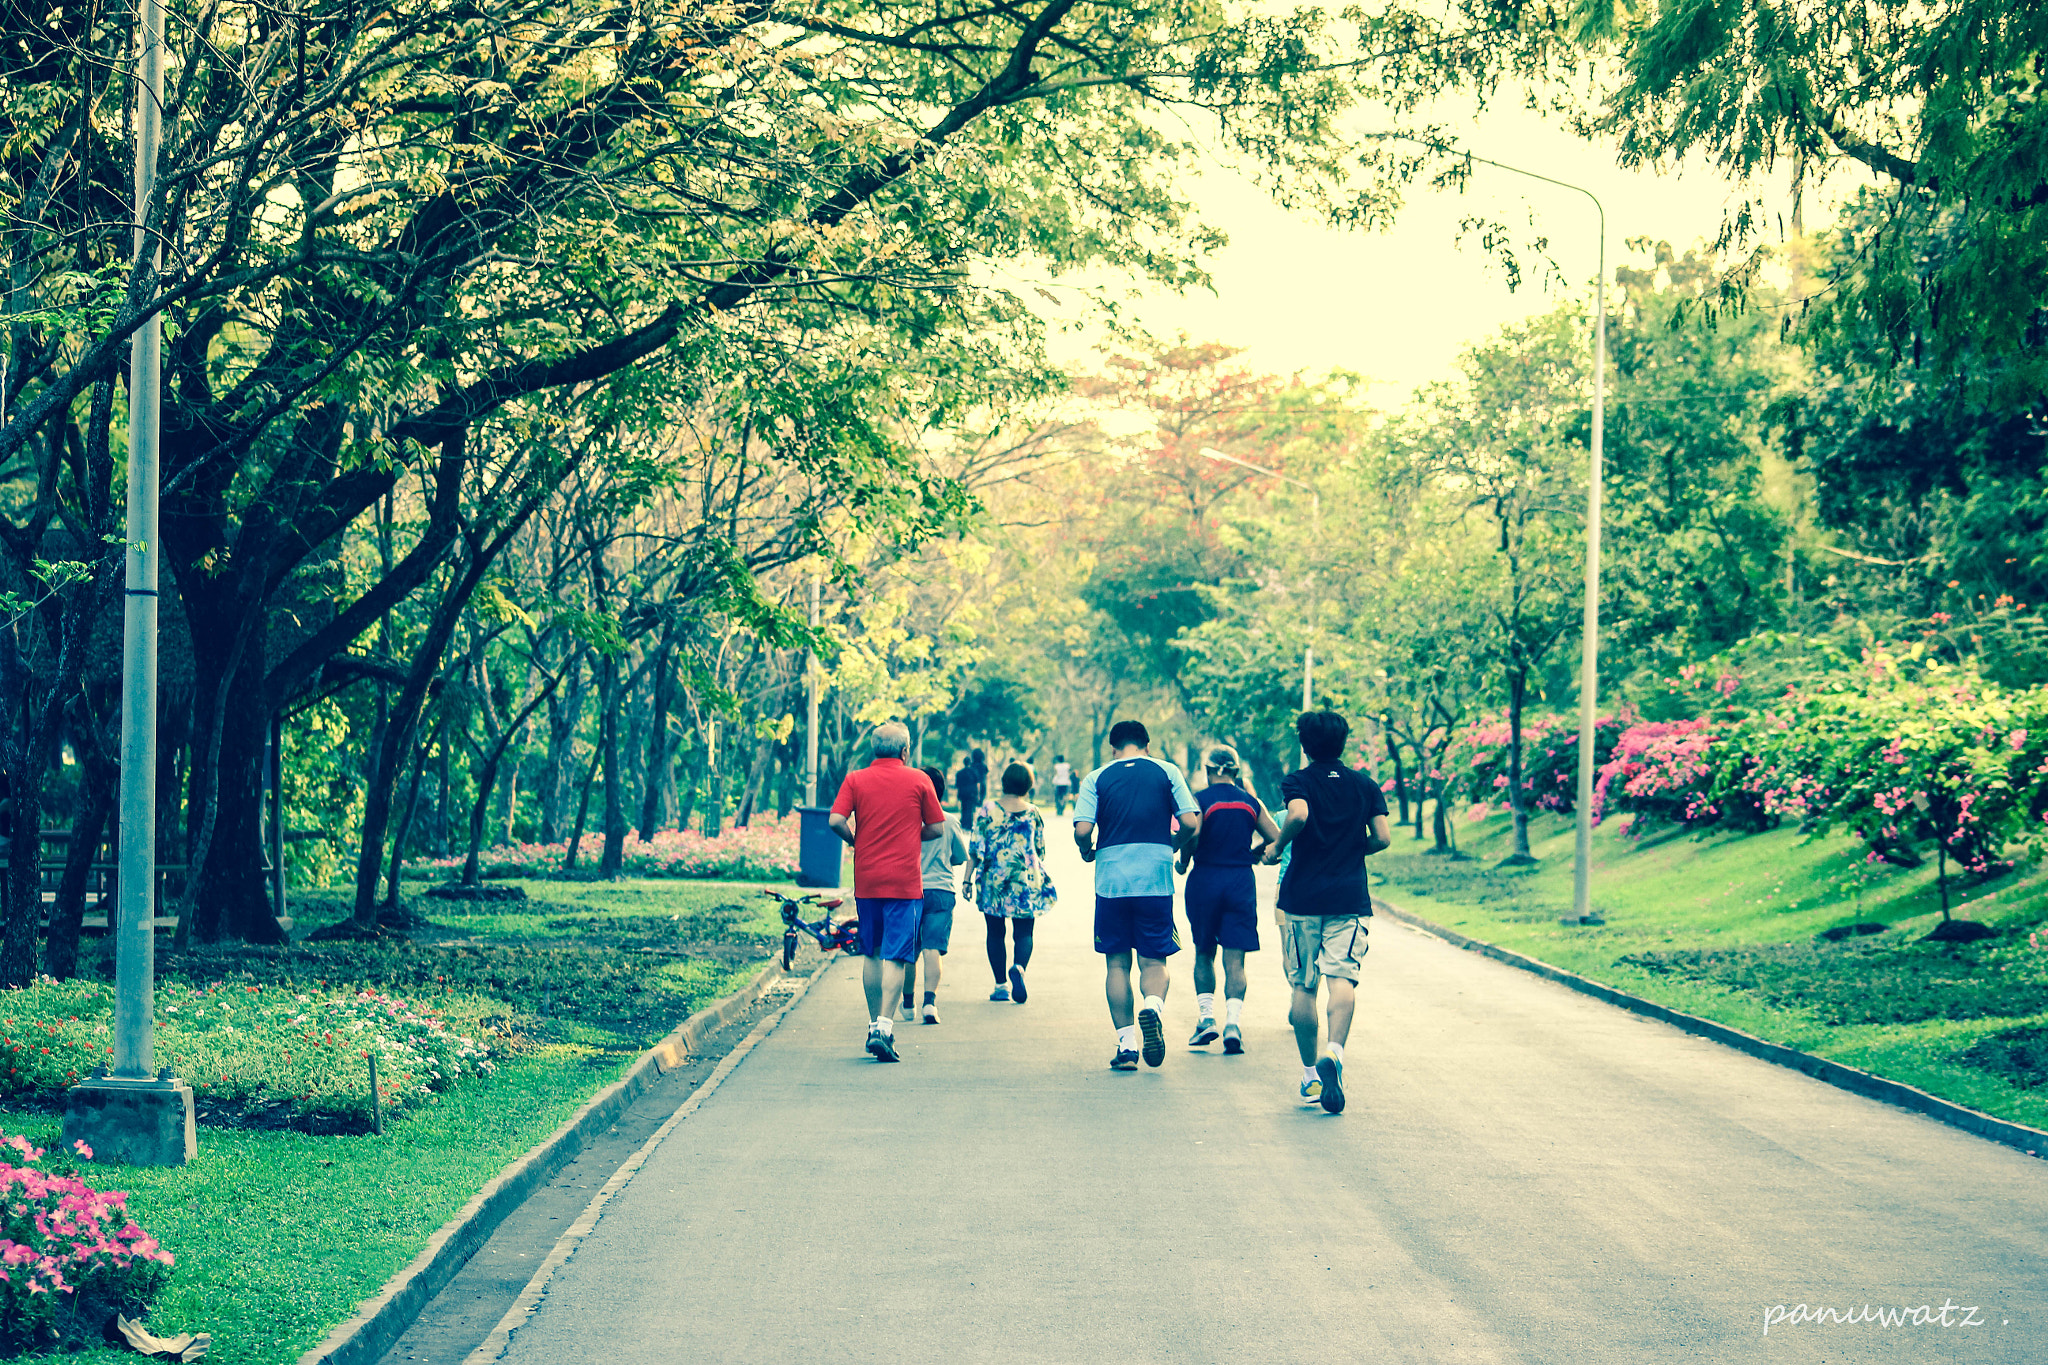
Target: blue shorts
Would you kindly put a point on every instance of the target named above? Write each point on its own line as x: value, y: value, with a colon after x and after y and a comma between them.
x: 889, y: 929
x: 1223, y: 908
x: 1139, y: 924
x: 935, y: 929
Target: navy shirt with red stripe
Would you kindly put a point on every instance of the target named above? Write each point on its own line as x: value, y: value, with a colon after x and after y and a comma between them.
x: 1230, y: 818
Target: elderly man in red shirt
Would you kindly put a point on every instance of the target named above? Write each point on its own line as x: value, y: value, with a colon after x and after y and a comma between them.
x: 885, y: 811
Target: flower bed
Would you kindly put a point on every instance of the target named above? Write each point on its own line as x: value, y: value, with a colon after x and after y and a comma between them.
x: 763, y: 851
x: 71, y: 1258
x: 295, y: 1054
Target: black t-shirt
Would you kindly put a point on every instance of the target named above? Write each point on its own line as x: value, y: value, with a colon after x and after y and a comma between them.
x: 970, y: 783
x: 1326, y: 868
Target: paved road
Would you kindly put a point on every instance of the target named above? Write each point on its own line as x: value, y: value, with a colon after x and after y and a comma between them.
x: 1523, y: 1175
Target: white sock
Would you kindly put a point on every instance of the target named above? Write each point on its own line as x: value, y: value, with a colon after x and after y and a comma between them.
x: 1127, y: 1039
x: 1154, y: 1003
x: 1308, y: 1073
x: 885, y: 1023
x: 1337, y: 1051
x: 1205, y: 1004
x: 1233, y: 1011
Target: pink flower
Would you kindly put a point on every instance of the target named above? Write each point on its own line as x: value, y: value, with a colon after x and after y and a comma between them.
x: 83, y: 1150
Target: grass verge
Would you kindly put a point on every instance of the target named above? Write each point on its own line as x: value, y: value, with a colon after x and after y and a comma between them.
x: 1729, y: 927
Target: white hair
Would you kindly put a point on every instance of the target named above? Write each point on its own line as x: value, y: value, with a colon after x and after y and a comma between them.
x: 890, y: 740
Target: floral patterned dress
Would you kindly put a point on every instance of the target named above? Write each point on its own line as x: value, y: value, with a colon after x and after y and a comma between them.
x: 1012, y: 881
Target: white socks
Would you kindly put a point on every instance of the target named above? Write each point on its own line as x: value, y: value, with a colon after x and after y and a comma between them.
x: 884, y: 1023
x: 1336, y: 1050
x: 1233, y: 1011
x: 1155, y: 1004
x: 1308, y: 1073
x: 1127, y: 1039
x: 1205, y: 1004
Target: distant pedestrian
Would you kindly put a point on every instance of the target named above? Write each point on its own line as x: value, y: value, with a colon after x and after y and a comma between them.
x: 1006, y: 868
x: 970, y: 785
x: 1336, y: 817
x: 887, y: 812
x: 935, y: 925
x: 1221, y: 896
x: 1132, y: 813
x: 1062, y: 784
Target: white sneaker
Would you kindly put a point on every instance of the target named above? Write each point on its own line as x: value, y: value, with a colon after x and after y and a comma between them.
x: 931, y: 1012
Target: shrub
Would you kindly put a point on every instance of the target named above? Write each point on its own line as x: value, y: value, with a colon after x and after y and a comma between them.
x: 70, y: 1257
x: 246, y: 1044
x: 763, y: 851
x: 1477, y: 760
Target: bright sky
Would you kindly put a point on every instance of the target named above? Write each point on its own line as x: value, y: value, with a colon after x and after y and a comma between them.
x: 1397, y: 307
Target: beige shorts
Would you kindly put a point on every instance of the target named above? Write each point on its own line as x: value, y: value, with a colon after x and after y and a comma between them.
x: 1316, y: 946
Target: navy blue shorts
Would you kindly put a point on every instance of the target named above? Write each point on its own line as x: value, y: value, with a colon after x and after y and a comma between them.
x: 889, y: 929
x: 1223, y: 908
x: 1136, y: 924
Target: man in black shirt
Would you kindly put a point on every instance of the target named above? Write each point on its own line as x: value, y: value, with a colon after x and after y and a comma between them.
x: 1336, y: 816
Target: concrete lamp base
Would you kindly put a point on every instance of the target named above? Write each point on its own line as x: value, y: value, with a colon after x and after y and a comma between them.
x: 132, y: 1122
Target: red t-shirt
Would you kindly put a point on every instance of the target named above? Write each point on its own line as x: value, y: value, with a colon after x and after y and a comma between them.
x: 890, y: 805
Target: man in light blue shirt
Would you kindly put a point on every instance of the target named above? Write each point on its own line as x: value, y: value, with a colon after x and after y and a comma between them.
x: 1133, y: 813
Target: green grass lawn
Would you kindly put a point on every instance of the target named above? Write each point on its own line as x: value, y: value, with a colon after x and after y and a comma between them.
x: 1726, y: 926
x: 280, y: 1235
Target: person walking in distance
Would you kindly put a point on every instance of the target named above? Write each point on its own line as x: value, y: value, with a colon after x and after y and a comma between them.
x: 1221, y: 896
x: 1336, y: 817
x: 1006, y: 870
x: 1133, y: 813
x: 887, y: 811
x: 1062, y: 784
x: 935, y: 925
x: 970, y: 785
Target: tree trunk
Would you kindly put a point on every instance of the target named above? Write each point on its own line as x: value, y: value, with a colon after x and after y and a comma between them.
x: 1400, y: 779
x: 99, y: 790
x: 557, y: 778
x: 658, y: 744
x: 582, y: 816
x: 613, y: 859
x: 391, y: 901
x: 1518, y: 685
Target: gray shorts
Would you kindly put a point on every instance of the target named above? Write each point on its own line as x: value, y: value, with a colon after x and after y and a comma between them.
x: 935, y: 930
x: 1316, y: 946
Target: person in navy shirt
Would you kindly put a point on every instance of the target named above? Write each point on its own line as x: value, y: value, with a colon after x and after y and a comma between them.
x: 1130, y: 816
x: 1221, y: 896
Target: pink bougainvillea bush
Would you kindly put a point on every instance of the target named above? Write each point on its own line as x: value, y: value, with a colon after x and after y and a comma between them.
x: 762, y: 851
x: 1477, y: 760
x: 71, y: 1258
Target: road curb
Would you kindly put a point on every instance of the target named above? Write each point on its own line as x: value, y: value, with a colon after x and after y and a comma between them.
x: 2032, y: 1141
x: 381, y: 1320
x: 528, y: 1303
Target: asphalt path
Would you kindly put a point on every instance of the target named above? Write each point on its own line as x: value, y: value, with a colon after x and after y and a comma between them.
x: 1523, y: 1174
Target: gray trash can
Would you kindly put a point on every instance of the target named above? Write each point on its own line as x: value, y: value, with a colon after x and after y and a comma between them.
x: 818, y: 848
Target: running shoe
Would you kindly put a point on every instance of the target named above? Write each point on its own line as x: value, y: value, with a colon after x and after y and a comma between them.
x: 931, y: 1013
x: 1205, y: 1033
x: 1332, y: 1072
x: 1125, y: 1060
x: 1155, y: 1036
x: 909, y: 1006
x: 1311, y: 1092
x: 1018, y: 995
x: 1001, y: 993
x: 881, y: 1046
x: 1233, y: 1040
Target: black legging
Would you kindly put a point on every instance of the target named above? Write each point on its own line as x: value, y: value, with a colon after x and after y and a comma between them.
x: 1021, y: 931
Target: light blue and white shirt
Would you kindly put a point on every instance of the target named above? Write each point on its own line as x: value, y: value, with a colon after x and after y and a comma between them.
x: 1134, y: 804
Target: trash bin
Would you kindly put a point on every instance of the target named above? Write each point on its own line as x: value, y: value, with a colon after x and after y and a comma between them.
x: 818, y: 848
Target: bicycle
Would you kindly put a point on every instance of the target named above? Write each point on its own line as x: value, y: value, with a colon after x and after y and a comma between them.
x: 829, y: 934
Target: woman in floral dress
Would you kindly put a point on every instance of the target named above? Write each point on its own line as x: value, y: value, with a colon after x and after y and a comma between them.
x: 1006, y: 872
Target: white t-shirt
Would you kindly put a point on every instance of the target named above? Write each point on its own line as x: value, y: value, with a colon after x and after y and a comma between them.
x: 1063, y: 774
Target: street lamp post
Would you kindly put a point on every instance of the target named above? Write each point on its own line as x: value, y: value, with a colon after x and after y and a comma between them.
x: 1308, y: 653
x: 136, y: 1115
x: 1589, y: 663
